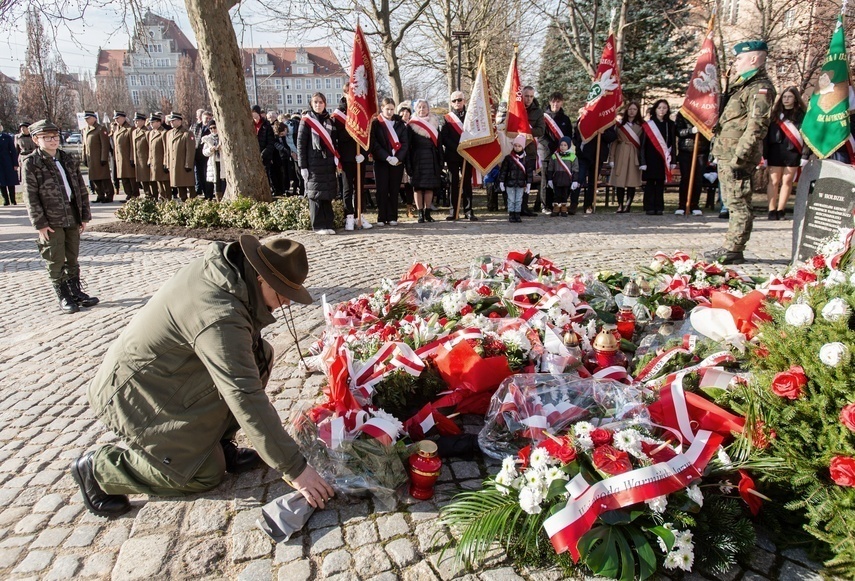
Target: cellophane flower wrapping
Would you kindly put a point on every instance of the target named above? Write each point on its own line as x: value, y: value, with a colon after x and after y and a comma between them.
x: 528, y: 406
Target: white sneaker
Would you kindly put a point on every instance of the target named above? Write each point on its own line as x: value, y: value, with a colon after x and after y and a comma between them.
x: 329, y: 231
x: 322, y: 232
x: 697, y: 213
x: 378, y: 224
x: 680, y: 213
x: 366, y: 225
x: 392, y: 223
x: 348, y: 223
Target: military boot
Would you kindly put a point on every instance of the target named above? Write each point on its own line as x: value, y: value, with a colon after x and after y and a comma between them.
x: 66, y: 300
x: 725, y: 256
x: 80, y: 297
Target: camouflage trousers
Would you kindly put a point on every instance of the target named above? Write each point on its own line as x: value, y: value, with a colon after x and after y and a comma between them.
x: 60, y: 252
x: 736, y: 193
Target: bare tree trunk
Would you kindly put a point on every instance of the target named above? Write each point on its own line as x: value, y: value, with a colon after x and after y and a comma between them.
x: 390, y: 54
x: 222, y: 64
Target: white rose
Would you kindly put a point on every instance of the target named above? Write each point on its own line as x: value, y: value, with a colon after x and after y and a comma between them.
x: 663, y: 312
x: 655, y: 266
x: 658, y: 504
x: 836, y: 310
x: 833, y: 354
x: 799, y: 315
x: 834, y: 278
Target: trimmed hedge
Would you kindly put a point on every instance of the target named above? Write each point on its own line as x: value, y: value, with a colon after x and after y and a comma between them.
x: 290, y: 213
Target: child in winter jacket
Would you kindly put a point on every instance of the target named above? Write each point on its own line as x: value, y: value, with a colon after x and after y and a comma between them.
x: 515, y: 177
x: 561, y: 171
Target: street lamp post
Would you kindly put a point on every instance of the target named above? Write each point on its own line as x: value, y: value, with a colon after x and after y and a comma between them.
x: 459, y: 35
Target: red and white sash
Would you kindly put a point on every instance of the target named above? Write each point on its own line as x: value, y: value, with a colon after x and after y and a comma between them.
x: 553, y: 127
x: 390, y: 133
x: 564, y: 165
x: 658, y: 141
x: 340, y: 115
x: 519, y: 163
x: 789, y: 129
x: 323, y: 134
x: 428, y: 128
x: 630, y: 135
x: 455, y: 122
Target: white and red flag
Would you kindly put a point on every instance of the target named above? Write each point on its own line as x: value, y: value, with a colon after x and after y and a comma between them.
x: 701, y: 104
x: 605, y: 96
x: 362, y: 104
x: 479, y: 142
x: 511, y: 113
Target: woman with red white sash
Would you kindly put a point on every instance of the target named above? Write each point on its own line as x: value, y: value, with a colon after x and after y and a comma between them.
x: 318, y: 160
x: 389, y: 147
x: 657, y: 156
x: 784, y: 150
x: 623, y: 157
x: 424, y: 162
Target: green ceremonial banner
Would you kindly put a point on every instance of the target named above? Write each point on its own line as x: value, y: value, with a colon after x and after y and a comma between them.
x: 826, y: 124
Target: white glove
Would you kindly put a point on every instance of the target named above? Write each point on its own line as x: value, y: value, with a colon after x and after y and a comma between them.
x: 527, y: 188
x: 574, y: 186
x: 392, y: 160
x: 501, y: 186
x: 611, y: 164
x: 305, y: 174
x: 359, y: 158
x: 804, y: 162
x: 642, y: 167
x: 694, y: 129
x: 549, y: 184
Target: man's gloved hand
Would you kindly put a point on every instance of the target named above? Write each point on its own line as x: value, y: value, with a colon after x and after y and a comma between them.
x: 392, y: 160
x: 501, y: 186
x: 549, y: 184
x: 359, y: 158
x: 574, y: 186
x: 740, y: 170
x: 305, y: 173
x: 642, y: 167
x: 694, y: 130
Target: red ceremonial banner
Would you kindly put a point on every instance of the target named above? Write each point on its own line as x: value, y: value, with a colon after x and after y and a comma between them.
x: 511, y: 111
x: 479, y: 142
x: 701, y: 104
x: 605, y: 96
x: 362, y: 104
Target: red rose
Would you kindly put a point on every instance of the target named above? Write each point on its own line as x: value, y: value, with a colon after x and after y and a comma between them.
x: 466, y: 310
x: 842, y: 469
x: 847, y: 416
x: 611, y: 460
x: 746, y: 491
x: 484, y: 290
x: 789, y: 383
x: 818, y: 261
x: 494, y: 315
x: 804, y: 276
x: 562, y: 449
x: 601, y: 437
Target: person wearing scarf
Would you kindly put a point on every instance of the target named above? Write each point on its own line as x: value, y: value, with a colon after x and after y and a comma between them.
x: 424, y: 162
x: 318, y: 164
x: 388, y: 148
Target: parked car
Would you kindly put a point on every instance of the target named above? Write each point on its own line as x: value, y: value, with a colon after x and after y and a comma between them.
x: 74, y: 138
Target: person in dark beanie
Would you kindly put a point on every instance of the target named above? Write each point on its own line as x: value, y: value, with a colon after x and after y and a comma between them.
x: 58, y: 206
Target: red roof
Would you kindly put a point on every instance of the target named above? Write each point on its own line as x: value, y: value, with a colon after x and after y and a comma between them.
x: 281, y: 58
x: 108, y: 57
x: 7, y: 80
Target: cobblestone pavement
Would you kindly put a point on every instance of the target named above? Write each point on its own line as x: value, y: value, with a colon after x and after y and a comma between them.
x: 45, y: 422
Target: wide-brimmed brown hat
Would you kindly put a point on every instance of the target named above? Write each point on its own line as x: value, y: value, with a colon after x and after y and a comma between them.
x: 282, y: 263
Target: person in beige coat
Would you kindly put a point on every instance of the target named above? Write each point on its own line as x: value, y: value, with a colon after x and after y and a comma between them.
x: 159, y: 173
x: 96, y: 154
x: 142, y: 172
x: 181, y: 150
x: 123, y: 142
x: 623, y: 158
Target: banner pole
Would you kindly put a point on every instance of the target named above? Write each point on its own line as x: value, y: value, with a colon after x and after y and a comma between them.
x: 358, y: 194
x: 596, y: 175
x: 692, y: 174
x: 460, y: 190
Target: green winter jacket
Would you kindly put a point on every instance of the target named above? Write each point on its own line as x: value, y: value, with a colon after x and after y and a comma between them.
x: 186, y: 367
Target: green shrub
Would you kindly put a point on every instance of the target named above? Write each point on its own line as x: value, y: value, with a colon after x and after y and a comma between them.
x: 290, y: 213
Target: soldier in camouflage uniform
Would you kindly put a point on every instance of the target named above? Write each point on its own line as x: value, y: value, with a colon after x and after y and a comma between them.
x: 58, y: 205
x: 744, y: 118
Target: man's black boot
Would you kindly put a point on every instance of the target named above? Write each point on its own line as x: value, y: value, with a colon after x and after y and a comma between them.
x: 95, y: 499
x: 80, y: 297
x: 239, y: 459
x: 66, y: 300
x: 724, y: 256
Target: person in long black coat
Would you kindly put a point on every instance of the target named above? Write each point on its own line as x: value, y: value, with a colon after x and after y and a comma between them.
x: 8, y: 167
x: 783, y: 157
x: 424, y: 162
x: 318, y: 164
x: 654, y: 168
x: 388, y: 161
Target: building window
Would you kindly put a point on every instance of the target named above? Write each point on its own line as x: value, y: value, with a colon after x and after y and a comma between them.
x: 299, y: 99
x: 142, y: 80
x: 338, y: 96
x: 318, y: 83
x: 789, y: 18
x: 328, y: 83
x: 135, y: 95
x: 732, y: 11
x: 289, y: 100
x: 155, y: 48
x: 132, y: 80
x: 298, y: 83
x: 338, y: 83
x: 170, y: 79
x: 287, y: 84
x: 308, y: 98
x: 164, y: 63
x: 277, y: 82
x: 152, y: 80
x: 279, y: 99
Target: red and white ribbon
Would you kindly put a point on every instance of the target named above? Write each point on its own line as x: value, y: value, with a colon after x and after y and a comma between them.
x: 659, y: 144
x: 630, y: 135
x: 791, y: 132
x: 553, y: 127
x: 455, y: 122
x: 323, y: 134
x: 391, y: 135
x: 427, y: 127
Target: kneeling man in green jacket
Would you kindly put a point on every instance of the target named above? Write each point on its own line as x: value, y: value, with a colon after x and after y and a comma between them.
x: 188, y: 372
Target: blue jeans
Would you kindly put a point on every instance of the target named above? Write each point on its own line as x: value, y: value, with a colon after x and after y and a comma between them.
x: 515, y: 196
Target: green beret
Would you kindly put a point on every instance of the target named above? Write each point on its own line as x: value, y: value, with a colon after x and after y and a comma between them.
x: 750, y: 46
x: 43, y: 126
